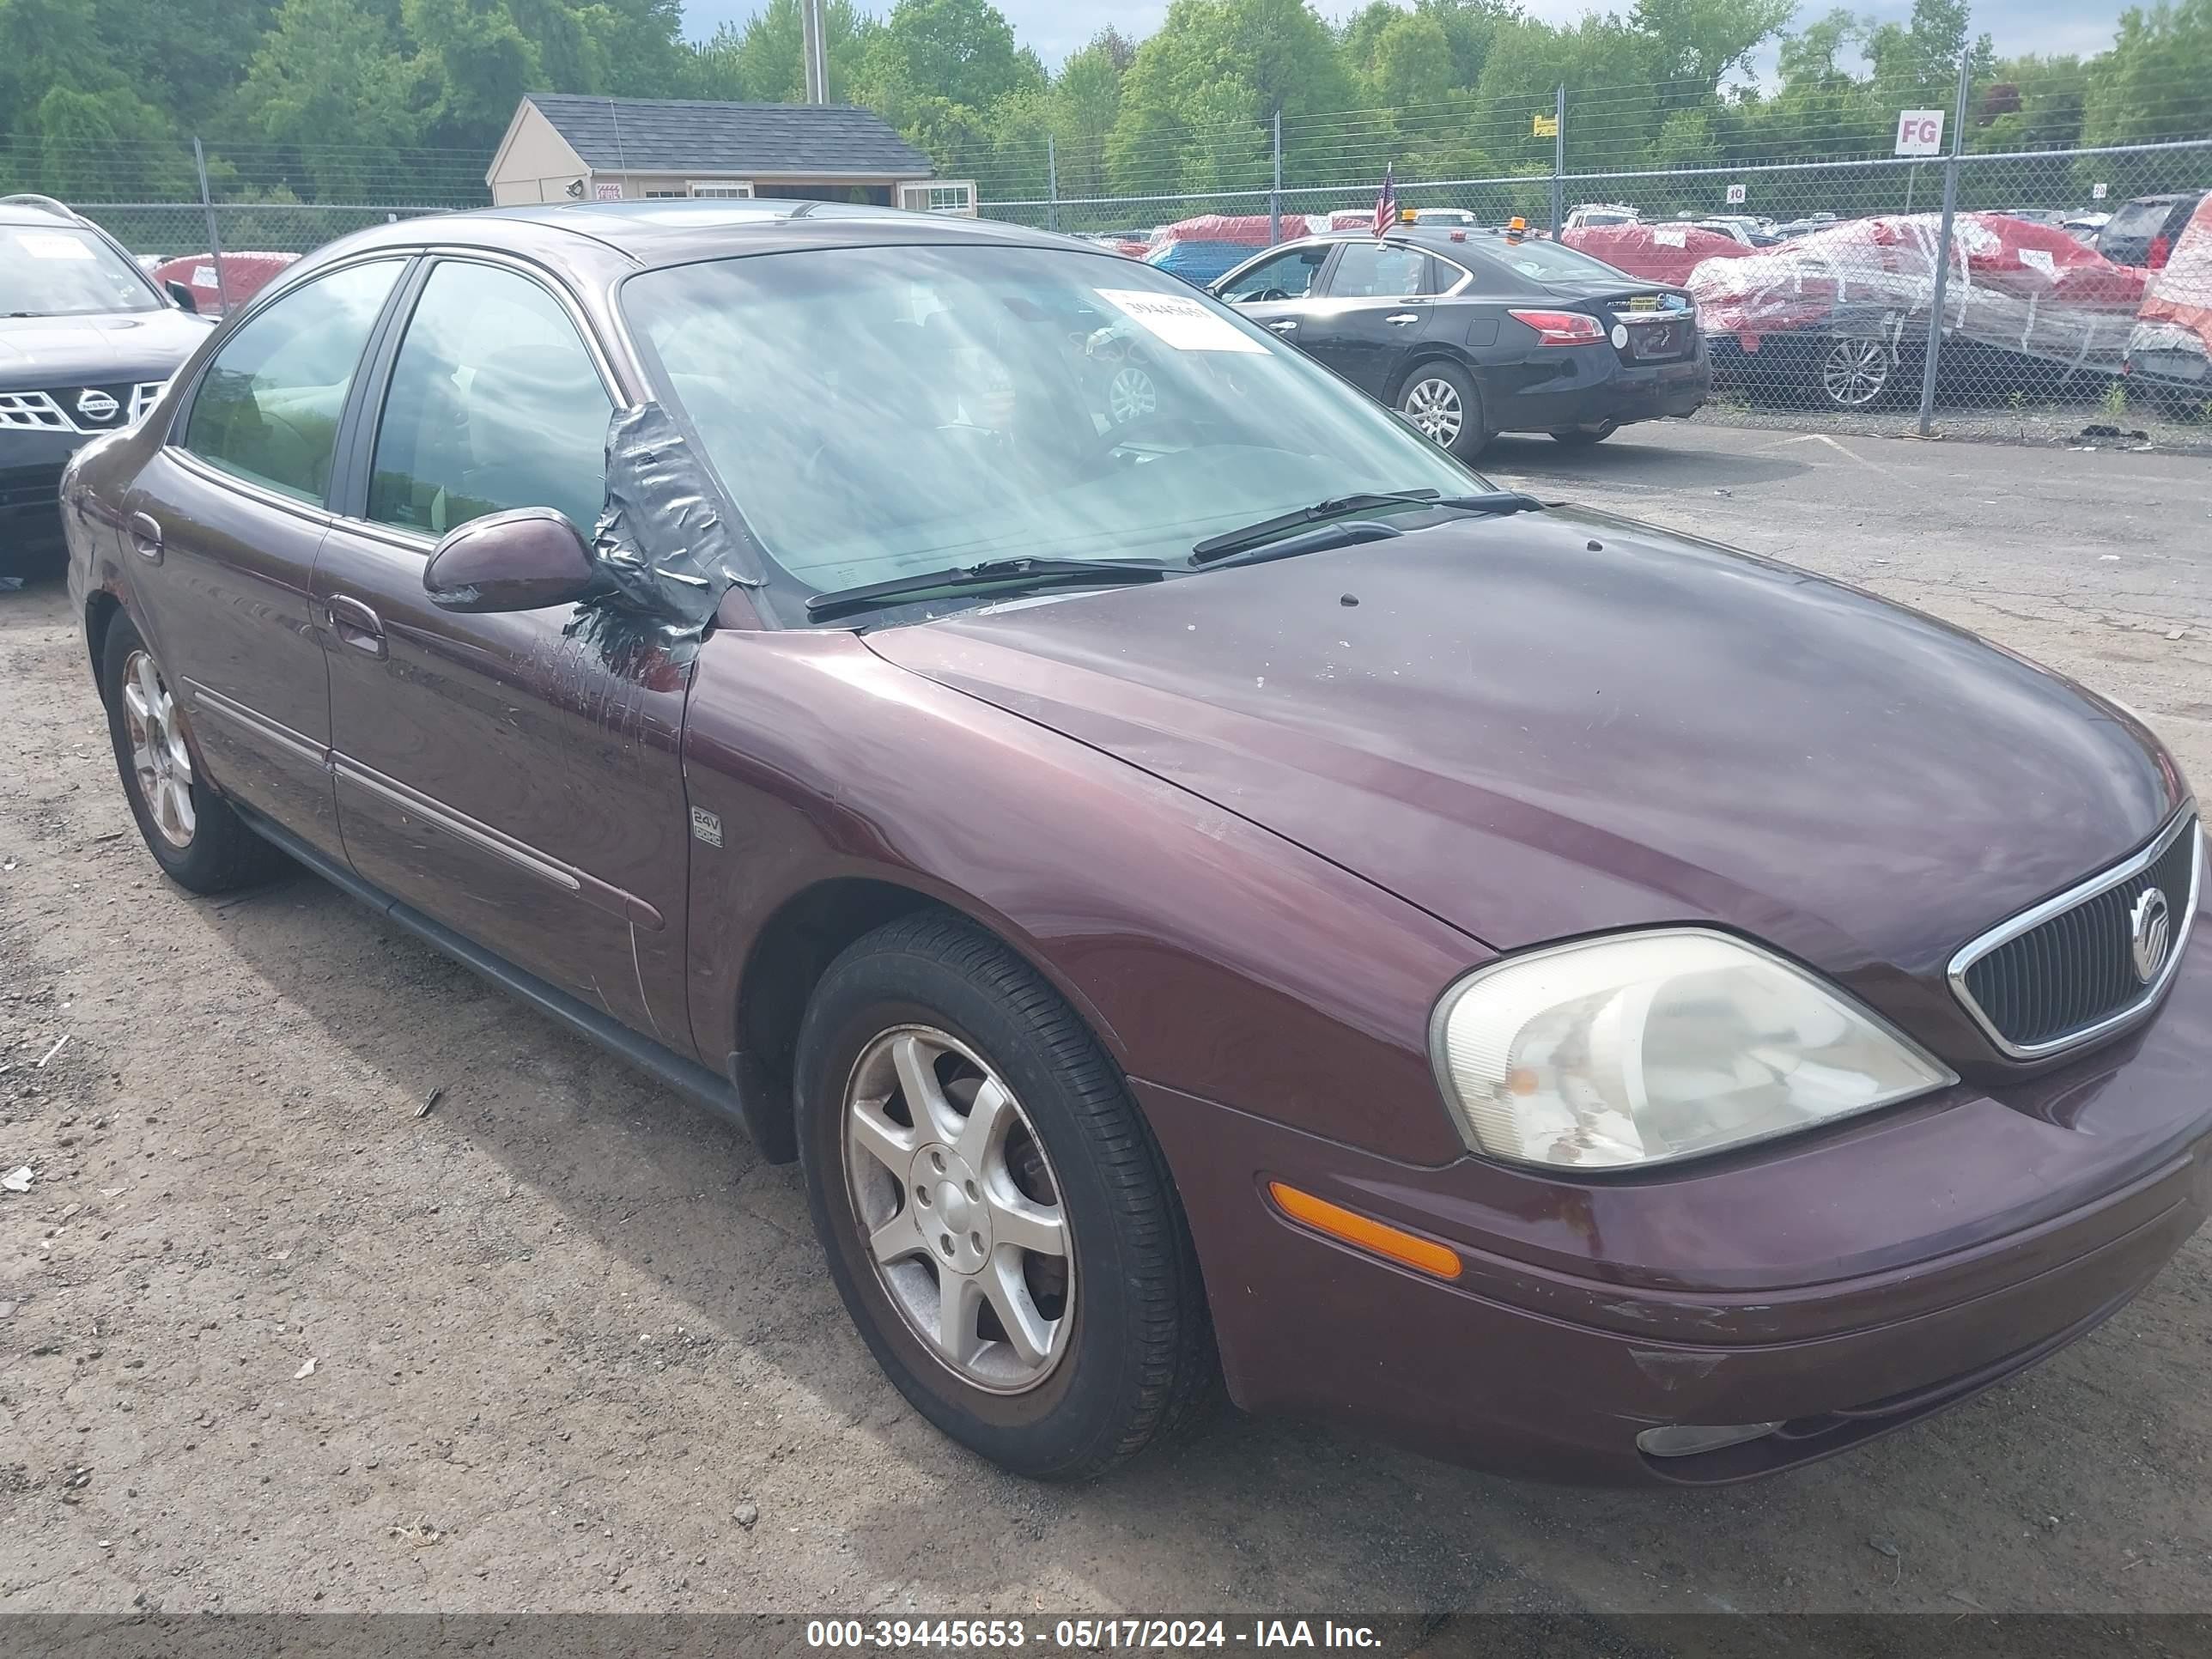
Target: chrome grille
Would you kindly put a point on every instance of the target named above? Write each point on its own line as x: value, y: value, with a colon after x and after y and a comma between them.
x: 33, y: 411
x: 53, y: 410
x: 2066, y: 971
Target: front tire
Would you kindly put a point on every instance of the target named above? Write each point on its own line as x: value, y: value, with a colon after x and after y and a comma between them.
x: 1855, y: 371
x: 1441, y: 400
x: 199, y: 842
x: 996, y: 1217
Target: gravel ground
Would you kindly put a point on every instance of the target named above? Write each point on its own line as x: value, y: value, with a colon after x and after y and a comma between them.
x: 572, y: 1347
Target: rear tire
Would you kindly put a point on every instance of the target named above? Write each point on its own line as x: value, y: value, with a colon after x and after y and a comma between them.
x: 1057, y: 1208
x: 1440, y: 400
x: 199, y: 842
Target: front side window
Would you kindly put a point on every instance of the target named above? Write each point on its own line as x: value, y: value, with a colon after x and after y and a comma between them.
x: 880, y: 412
x: 1286, y: 277
x: 268, y: 408
x: 64, y: 270
x: 1379, y: 270
x: 494, y: 404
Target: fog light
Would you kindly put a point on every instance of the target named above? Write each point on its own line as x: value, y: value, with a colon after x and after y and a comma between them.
x: 1687, y: 1439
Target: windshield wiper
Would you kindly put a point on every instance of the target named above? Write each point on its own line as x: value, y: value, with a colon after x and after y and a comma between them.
x: 1337, y: 507
x: 989, y: 572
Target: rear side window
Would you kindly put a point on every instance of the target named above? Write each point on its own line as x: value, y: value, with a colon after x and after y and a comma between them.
x: 494, y: 404
x: 1376, y: 270
x: 268, y: 408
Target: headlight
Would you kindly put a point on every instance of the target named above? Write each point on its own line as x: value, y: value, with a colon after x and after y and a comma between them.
x: 1646, y: 1047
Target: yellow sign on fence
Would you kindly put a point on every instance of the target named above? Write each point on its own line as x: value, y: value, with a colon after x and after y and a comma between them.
x: 1544, y: 126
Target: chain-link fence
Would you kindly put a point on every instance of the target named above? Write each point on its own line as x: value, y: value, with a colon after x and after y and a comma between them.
x: 2073, y: 283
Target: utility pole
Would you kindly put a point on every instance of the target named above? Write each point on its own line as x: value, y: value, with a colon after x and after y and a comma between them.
x: 818, y: 67
x: 1943, y: 249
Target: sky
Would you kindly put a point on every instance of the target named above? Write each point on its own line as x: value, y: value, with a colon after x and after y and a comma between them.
x: 1056, y: 27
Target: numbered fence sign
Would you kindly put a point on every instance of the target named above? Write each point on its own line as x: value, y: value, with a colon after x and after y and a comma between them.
x: 1920, y: 132
x: 1736, y: 194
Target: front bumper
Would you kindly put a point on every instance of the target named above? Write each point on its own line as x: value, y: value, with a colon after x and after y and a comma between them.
x: 1842, y: 1284
x: 31, y: 465
x: 1590, y: 385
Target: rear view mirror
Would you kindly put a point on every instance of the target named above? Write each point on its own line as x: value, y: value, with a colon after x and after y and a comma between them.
x: 183, y: 296
x: 530, y: 559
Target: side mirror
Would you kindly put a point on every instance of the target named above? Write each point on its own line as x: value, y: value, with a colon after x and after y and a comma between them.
x: 530, y: 559
x: 183, y: 296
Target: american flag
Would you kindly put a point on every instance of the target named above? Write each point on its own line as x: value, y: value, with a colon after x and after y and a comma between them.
x: 1386, y: 204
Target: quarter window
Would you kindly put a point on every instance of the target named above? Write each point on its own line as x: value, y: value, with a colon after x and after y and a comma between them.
x: 494, y: 404
x: 268, y: 407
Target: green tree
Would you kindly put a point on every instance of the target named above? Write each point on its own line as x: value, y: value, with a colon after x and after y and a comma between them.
x: 765, y: 63
x: 2151, y: 84
x: 962, y: 51
x: 1218, y: 65
x: 331, y: 73
x: 1086, y: 97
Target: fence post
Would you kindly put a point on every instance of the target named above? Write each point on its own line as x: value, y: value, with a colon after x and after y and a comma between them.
x: 1051, y: 183
x: 214, y: 242
x: 1943, y: 249
x: 1558, y: 160
x: 1275, y: 196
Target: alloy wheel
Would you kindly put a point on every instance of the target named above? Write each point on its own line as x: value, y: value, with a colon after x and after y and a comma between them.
x: 1131, y: 395
x: 1854, y: 372
x: 158, y: 758
x: 1434, y: 406
x: 961, y: 1212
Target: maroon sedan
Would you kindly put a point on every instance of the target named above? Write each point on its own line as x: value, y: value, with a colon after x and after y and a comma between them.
x: 1204, y: 886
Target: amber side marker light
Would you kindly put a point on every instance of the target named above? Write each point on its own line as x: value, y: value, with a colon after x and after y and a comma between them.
x: 1369, y: 1235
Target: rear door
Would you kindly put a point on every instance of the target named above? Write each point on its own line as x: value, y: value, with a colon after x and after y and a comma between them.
x: 1373, y: 314
x: 515, y: 776
x: 226, y: 521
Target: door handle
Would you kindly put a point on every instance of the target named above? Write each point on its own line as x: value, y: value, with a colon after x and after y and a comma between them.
x: 1288, y: 326
x: 1400, y: 319
x: 146, y: 537
x: 356, y: 625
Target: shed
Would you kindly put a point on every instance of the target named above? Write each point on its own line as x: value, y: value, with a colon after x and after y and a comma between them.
x: 573, y: 147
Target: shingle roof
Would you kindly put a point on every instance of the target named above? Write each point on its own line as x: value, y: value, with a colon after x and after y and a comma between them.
x: 674, y: 135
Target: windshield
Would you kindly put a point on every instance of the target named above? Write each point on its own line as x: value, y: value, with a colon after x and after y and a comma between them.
x: 60, y: 270
x: 876, y: 412
x: 1548, y: 262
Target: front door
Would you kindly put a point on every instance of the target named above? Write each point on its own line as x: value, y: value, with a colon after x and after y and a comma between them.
x: 515, y: 780
x: 226, y: 521
x: 1374, y: 315
x: 1274, y: 292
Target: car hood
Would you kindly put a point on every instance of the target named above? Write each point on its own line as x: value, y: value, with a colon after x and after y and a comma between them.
x: 1552, y: 723
x: 134, y: 345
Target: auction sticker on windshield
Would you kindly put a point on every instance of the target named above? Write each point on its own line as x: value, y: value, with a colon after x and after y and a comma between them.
x: 1178, y: 321
x: 51, y: 246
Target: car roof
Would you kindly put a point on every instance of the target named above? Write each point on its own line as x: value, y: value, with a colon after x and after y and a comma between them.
x: 677, y: 232
x: 38, y: 210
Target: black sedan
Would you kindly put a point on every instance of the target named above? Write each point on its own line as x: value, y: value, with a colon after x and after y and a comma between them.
x: 1471, y: 332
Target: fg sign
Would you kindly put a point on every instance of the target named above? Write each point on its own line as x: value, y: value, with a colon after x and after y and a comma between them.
x: 1736, y: 194
x: 1920, y: 132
